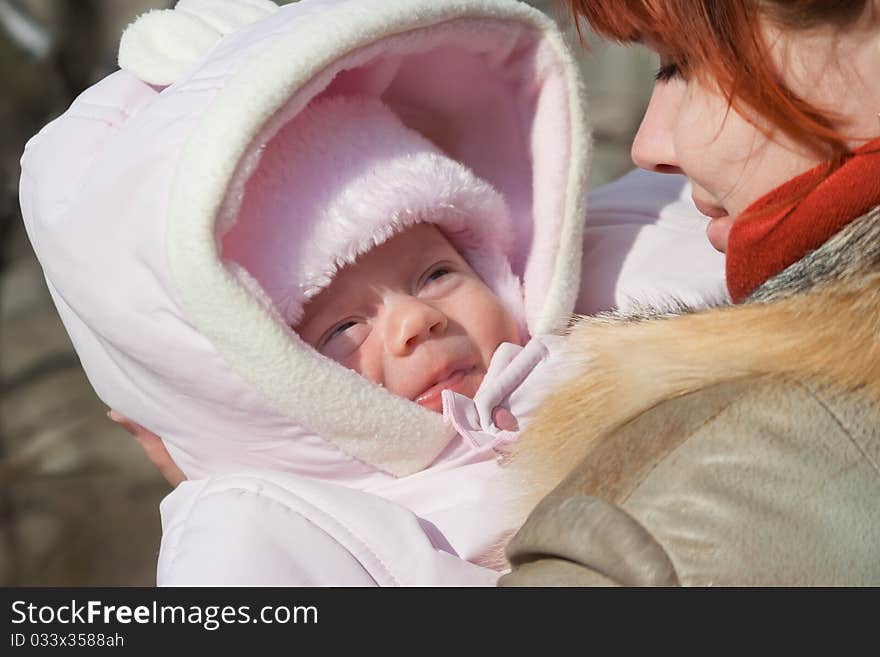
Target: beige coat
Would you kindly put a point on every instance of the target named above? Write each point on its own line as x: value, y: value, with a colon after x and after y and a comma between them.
x: 734, y: 446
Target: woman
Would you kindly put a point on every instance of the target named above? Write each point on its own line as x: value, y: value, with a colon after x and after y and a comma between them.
x: 739, y: 445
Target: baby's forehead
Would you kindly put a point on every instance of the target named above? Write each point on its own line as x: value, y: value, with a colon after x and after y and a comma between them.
x: 413, y: 247
x: 425, y: 234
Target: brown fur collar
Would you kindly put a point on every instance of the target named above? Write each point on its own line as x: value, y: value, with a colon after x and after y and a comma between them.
x: 819, y: 319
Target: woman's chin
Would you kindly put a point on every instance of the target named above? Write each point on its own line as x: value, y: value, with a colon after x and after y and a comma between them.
x: 718, y: 232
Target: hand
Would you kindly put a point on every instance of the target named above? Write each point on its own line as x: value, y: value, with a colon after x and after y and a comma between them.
x: 153, y: 448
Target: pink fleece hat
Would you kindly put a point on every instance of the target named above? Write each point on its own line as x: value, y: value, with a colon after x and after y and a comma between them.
x: 345, y: 175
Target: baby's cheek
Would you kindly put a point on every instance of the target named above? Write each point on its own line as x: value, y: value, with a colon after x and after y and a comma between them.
x: 366, y: 362
x: 507, y: 328
x: 491, y: 322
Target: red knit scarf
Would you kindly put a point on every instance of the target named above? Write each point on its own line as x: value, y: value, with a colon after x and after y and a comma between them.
x: 776, y: 236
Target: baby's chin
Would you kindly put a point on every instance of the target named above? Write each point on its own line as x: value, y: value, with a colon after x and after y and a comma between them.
x: 463, y: 382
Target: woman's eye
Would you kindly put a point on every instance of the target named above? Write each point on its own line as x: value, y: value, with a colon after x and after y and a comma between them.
x: 668, y: 71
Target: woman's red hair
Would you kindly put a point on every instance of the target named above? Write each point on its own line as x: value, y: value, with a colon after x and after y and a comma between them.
x: 719, y: 41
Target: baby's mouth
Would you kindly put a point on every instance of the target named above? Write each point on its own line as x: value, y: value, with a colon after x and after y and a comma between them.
x: 458, y: 380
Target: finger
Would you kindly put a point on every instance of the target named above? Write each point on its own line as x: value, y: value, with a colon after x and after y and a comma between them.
x: 153, y: 447
x: 133, y: 428
x: 159, y: 456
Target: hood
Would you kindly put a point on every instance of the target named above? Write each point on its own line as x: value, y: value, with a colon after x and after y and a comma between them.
x: 127, y: 195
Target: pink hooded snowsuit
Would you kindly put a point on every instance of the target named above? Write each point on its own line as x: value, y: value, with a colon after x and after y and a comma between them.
x: 302, y: 472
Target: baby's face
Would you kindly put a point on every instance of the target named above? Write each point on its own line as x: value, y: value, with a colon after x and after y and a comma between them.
x: 412, y: 316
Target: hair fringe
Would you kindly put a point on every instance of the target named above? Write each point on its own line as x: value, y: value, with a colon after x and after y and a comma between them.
x: 718, y: 41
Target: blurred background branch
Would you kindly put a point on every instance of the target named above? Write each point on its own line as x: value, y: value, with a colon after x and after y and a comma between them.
x: 24, y: 30
x: 78, y: 505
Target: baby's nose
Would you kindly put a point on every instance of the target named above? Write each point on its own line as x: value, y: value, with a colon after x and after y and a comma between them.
x: 411, y: 322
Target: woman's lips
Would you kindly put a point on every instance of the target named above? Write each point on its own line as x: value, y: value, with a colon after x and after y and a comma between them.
x: 719, y: 226
x: 457, y: 381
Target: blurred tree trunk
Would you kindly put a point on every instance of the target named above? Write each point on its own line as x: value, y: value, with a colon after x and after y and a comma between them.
x: 50, y: 51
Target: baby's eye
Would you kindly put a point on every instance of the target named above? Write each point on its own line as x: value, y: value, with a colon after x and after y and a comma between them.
x: 344, y: 339
x: 438, y: 280
x: 339, y: 330
x: 439, y: 272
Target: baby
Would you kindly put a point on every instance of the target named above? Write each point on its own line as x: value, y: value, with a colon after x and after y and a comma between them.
x: 391, y: 260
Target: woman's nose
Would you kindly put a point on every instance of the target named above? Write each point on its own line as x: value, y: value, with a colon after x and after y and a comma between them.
x: 653, y: 148
x: 410, y: 322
